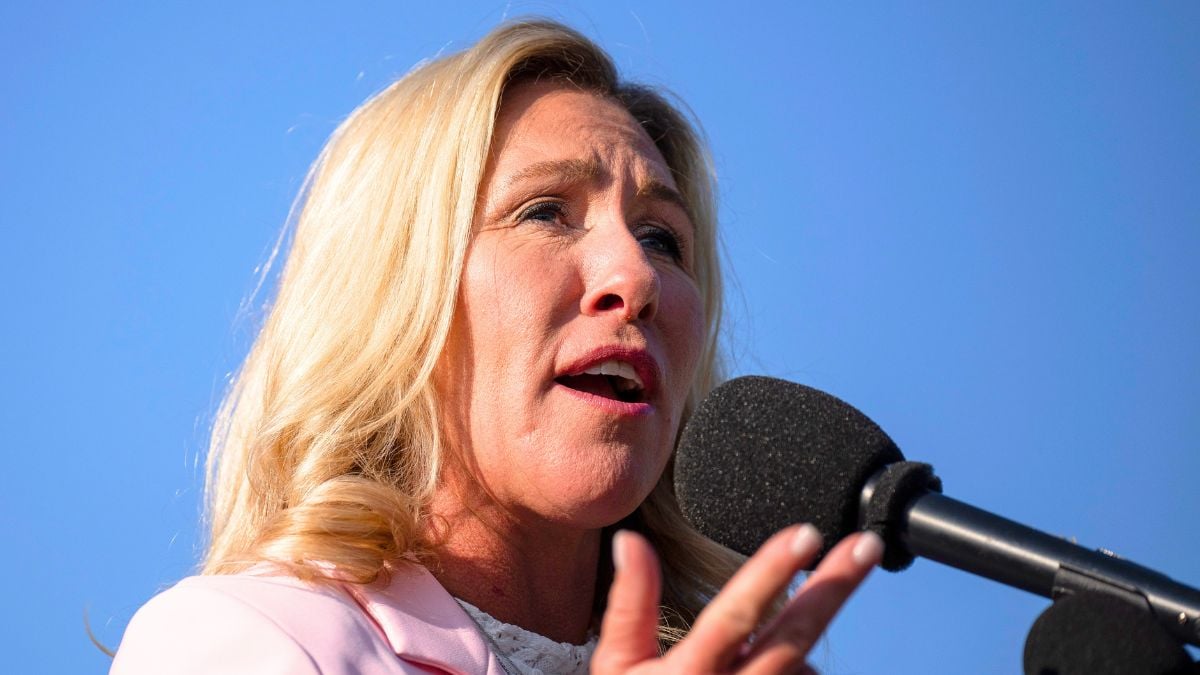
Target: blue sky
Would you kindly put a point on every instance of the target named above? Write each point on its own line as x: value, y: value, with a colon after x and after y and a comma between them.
x: 977, y: 222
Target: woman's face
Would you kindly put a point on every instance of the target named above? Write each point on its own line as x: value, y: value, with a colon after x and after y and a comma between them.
x: 579, y: 323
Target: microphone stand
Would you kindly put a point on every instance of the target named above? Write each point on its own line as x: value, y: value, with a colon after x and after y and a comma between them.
x: 903, y: 502
x: 1109, y: 615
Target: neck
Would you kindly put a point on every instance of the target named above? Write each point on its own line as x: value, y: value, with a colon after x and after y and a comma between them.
x: 539, y: 577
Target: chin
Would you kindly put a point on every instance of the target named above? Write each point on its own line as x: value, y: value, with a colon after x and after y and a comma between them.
x: 597, y: 485
x: 601, y: 509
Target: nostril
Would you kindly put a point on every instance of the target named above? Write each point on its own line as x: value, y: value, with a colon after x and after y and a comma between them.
x: 609, y: 301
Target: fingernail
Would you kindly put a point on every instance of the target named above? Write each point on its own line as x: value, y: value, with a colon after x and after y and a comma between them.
x: 868, y: 551
x: 807, y: 541
x: 618, y: 550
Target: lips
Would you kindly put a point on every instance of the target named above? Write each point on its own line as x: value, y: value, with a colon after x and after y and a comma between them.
x: 619, y: 374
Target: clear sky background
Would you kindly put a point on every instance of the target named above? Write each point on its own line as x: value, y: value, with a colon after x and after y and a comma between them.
x: 977, y: 222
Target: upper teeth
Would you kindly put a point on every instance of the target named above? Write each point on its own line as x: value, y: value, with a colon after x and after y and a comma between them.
x: 617, y: 369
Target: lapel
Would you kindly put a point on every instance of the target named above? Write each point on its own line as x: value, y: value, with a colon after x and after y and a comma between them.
x: 422, y: 623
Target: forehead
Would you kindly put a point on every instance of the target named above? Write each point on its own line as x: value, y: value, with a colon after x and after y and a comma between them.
x: 546, y: 121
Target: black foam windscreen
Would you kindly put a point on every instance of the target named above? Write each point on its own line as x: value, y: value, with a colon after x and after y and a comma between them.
x: 896, y: 485
x: 760, y: 454
x: 1095, y: 634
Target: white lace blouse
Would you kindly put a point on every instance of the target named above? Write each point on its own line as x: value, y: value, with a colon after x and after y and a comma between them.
x: 526, y: 653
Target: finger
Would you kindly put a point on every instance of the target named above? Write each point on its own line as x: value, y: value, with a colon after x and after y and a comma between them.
x: 628, y: 632
x: 722, y: 628
x: 785, y: 643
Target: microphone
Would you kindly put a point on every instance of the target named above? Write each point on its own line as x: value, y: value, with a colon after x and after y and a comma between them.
x: 1095, y: 634
x: 760, y: 454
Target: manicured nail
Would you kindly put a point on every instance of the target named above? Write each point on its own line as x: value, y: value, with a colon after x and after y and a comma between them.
x: 868, y: 550
x: 619, y: 548
x: 806, y: 541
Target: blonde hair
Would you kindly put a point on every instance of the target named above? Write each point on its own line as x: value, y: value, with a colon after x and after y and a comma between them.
x: 326, y: 450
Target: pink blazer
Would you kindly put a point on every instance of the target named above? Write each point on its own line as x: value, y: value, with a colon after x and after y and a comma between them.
x: 253, y: 623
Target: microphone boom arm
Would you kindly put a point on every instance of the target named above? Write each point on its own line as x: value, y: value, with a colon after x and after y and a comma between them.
x: 953, y: 533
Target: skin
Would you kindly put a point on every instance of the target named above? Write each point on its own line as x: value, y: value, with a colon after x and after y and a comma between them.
x: 563, y: 263
x: 582, y: 250
x: 718, y: 641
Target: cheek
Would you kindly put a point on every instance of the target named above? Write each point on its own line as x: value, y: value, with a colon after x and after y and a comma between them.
x: 517, y: 291
x: 684, y: 332
x: 512, y: 306
x: 492, y: 301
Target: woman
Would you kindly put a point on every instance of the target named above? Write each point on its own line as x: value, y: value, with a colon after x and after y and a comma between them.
x: 399, y: 482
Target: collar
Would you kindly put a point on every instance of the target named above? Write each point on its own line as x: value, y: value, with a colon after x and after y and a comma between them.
x: 423, y: 623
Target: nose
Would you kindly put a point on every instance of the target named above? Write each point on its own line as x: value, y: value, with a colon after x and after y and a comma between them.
x: 618, y: 276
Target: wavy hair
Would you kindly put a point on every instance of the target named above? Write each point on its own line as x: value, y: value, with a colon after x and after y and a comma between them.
x: 327, y: 447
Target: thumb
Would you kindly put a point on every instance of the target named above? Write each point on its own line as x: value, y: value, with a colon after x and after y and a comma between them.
x: 628, y: 633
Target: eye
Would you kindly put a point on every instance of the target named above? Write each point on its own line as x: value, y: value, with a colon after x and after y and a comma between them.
x: 660, y: 240
x: 546, y: 212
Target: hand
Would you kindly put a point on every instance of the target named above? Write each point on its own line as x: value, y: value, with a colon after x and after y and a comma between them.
x: 718, y: 641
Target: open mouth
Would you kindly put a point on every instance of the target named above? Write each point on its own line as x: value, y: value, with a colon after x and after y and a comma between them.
x: 611, y: 379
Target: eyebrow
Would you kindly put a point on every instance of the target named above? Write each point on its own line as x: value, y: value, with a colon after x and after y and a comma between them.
x: 658, y: 190
x: 583, y: 170
x: 570, y: 170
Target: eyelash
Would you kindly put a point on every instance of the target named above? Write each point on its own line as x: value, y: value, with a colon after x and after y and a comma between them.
x: 555, y: 209
x: 666, y: 241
